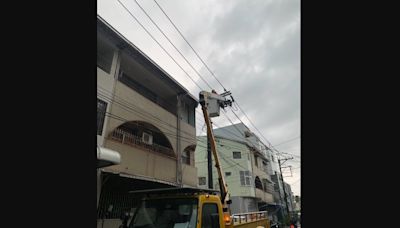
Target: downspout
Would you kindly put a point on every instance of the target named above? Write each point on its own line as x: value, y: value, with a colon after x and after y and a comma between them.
x: 116, y: 61
x: 178, y: 142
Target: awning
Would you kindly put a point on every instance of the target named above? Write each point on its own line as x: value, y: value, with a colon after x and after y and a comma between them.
x: 107, y: 157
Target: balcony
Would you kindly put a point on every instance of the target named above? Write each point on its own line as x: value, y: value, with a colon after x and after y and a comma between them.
x: 264, y: 196
x: 130, y: 139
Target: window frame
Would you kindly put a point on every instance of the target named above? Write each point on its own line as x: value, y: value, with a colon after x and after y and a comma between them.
x: 185, y: 158
x: 240, y: 154
x: 205, y: 180
x: 247, y: 175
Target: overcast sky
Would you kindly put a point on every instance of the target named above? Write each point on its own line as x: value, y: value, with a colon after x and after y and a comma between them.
x: 252, y: 46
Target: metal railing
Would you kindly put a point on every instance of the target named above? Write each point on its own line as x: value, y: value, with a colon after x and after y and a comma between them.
x: 136, y: 141
x: 249, y: 217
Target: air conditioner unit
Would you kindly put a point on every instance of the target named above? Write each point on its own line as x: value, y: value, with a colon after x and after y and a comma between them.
x: 147, y: 138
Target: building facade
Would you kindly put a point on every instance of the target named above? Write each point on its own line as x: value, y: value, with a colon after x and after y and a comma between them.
x: 264, y: 165
x: 144, y: 115
x: 246, y: 169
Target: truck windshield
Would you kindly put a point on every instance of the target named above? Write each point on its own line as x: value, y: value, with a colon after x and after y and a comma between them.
x: 166, y: 213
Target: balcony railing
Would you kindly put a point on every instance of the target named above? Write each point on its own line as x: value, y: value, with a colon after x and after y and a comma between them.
x: 136, y: 141
x: 249, y: 217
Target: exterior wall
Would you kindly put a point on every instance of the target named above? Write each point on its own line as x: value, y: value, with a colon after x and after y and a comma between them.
x: 236, y: 132
x: 264, y: 196
x: 228, y: 164
x: 136, y: 161
x: 105, y: 85
x: 188, y: 131
x: 270, y: 168
x: 257, y: 170
x: 243, y: 204
x: 189, y: 175
x: 143, y: 110
x: 142, y: 163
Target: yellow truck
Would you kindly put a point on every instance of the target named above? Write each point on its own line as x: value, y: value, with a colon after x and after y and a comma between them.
x: 191, y: 207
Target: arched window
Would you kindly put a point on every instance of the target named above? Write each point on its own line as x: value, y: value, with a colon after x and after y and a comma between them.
x: 187, y: 154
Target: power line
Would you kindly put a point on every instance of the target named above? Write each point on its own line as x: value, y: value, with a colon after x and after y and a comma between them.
x: 180, y: 33
x: 187, y: 60
x: 146, y: 115
x: 173, y: 24
x: 165, y: 133
x: 250, y: 122
x: 162, y: 46
x: 162, y: 32
x: 159, y: 44
x: 133, y: 108
x: 284, y: 142
x: 295, y: 155
x: 155, y: 24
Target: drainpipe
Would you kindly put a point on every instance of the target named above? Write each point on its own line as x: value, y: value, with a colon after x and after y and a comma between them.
x: 117, y: 64
x: 178, y: 142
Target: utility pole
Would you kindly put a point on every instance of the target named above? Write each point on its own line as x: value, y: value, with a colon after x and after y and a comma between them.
x: 283, y: 183
x: 209, y: 163
x: 280, y: 196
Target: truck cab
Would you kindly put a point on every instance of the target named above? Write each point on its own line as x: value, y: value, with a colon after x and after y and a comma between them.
x: 187, y: 208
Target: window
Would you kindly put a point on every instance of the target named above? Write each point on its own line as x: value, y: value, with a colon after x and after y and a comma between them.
x: 202, y: 180
x: 186, y: 157
x: 192, y: 118
x: 256, y: 160
x: 237, y: 155
x: 228, y: 174
x: 172, y: 212
x: 105, y: 55
x: 101, y: 112
x: 187, y: 114
x: 245, y: 178
x: 209, y: 209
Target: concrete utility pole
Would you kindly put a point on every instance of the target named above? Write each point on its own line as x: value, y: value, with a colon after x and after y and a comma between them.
x: 283, y: 183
